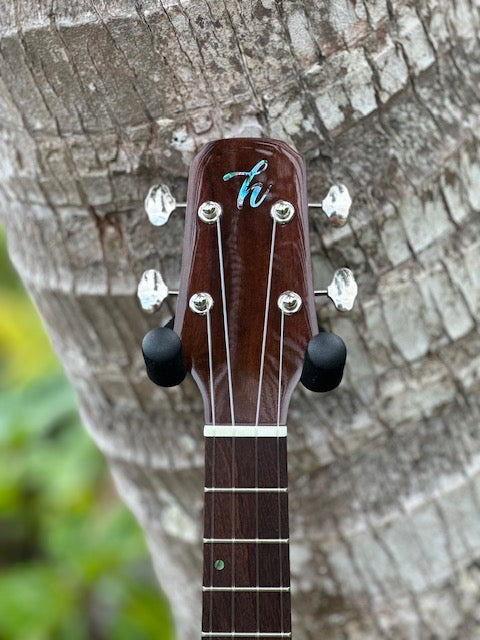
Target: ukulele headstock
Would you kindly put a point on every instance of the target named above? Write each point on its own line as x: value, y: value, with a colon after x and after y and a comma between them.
x: 246, y: 198
x: 246, y: 309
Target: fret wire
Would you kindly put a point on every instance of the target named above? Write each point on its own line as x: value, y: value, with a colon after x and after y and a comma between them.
x: 238, y: 634
x: 249, y: 589
x: 246, y: 540
x: 246, y: 489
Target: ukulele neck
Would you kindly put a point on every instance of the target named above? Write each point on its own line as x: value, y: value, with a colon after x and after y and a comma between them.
x: 245, y: 313
x: 246, y: 578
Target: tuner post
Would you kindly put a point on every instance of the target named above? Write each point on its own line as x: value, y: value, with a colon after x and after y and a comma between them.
x: 282, y: 211
x: 210, y: 211
x: 201, y: 303
x: 289, y: 303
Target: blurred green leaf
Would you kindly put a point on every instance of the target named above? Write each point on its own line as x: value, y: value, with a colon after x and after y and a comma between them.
x: 32, y: 603
x: 73, y: 560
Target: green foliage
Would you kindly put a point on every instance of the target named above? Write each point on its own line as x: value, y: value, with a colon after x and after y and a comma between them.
x: 73, y: 561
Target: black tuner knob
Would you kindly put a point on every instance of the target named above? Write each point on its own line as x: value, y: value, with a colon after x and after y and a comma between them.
x: 324, y: 362
x: 163, y: 354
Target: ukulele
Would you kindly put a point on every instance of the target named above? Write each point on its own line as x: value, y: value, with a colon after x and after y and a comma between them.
x: 246, y: 329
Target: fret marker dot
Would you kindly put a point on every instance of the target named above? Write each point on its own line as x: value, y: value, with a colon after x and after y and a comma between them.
x: 219, y: 565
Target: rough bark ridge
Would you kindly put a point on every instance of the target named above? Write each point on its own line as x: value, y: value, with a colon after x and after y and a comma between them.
x: 100, y: 99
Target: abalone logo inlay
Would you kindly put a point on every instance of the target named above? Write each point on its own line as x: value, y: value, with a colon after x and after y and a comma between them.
x: 247, y: 188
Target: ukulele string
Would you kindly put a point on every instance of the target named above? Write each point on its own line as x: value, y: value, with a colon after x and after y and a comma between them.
x: 210, y: 365
x: 232, y: 556
x: 232, y: 413
x: 232, y: 410
x: 225, y: 321
x: 265, y: 321
x: 279, y: 495
x: 212, y: 521
x: 280, y: 367
x: 257, y: 416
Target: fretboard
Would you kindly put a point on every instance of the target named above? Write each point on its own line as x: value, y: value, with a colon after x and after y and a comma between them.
x: 246, y: 578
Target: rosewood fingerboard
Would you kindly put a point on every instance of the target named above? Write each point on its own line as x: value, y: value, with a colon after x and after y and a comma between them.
x: 246, y: 579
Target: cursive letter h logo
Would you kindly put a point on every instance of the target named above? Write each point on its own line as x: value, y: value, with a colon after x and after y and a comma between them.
x: 248, y: 188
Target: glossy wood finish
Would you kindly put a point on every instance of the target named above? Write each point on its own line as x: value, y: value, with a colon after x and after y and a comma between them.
x: 246, y: 238
x: 239, y: 463
x: 249, y: 592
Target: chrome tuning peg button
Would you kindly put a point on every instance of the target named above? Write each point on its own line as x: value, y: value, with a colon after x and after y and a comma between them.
x: 159, y: 204
x: 336, y: 205
x: 342, y: 291
x: 152, y: 291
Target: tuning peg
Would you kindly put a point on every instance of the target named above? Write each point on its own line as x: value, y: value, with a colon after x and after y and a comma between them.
x: 163, y: 354
x: 342, y: 291
x: 336, y: 205
x: 160, y: 204
x: 152, y: 291
x: 324, y: 362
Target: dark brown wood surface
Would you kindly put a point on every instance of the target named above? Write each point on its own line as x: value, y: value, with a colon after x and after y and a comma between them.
x: 246, y: 462
x: 246, y: 239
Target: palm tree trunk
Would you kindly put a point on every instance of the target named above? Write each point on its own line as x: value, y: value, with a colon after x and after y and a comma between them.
x: 99, y: 100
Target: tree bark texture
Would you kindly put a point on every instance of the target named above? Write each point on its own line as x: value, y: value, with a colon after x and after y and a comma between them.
x: 101, y: 99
